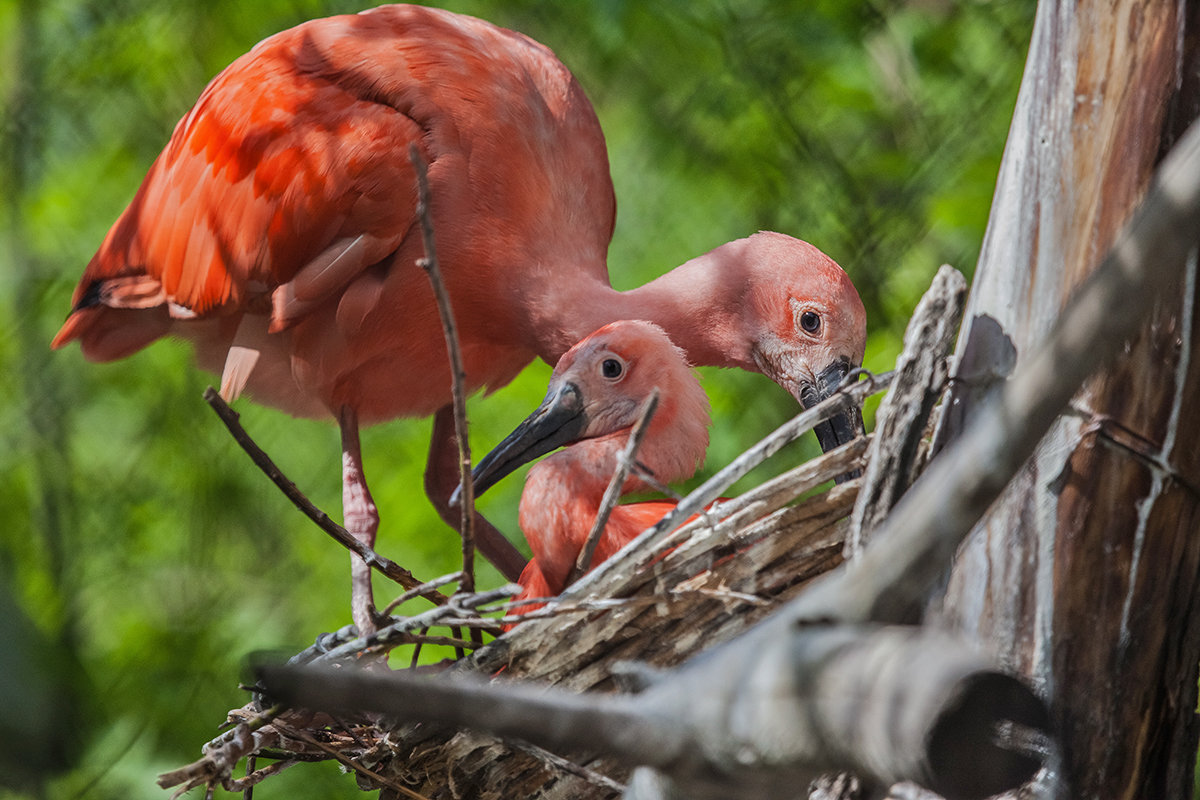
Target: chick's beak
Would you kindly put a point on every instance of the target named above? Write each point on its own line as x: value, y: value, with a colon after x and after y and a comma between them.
x: 838, y: 429
x: 558, y: 421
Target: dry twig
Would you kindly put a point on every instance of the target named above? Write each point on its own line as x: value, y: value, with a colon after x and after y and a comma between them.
x: 612, y: 493
x: 417, y: 591
x: 264, y: 462
x: 456, y: 612
x: 458, y: 374
x: 256, y: 776
x: 222, y: 754
x: 296, y: 733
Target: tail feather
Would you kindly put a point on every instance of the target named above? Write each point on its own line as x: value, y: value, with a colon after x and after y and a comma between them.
x: 107, y: 334
x: 72, y: 329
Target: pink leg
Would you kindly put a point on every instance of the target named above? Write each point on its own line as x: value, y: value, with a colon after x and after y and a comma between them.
x: 441, y: 478
x: 360, y: 518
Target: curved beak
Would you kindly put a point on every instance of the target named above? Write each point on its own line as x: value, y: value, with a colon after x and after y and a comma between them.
x: 839, y: 429
x: 558, y: 421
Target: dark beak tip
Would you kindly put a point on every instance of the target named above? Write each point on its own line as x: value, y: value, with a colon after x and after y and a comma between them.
x: 832, y: 376
x: 557, y: 422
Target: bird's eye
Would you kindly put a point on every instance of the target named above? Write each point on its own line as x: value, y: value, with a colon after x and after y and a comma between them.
x: 611, y: 368
x: 810, y: 321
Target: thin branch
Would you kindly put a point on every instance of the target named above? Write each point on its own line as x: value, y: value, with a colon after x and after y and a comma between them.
x: 385, y: 566
x: 221, y: 754
x: 647, y: 476
x: 251, y: 763
x: 296, y: 733
x: 428, y: 638
x: 593, y: 605
x: 256, y: 776
x: 436, y: 582
x: 727, y: 522
x: 458, y: 374
x: 457, y: 611
x: 612, y: 493
x: 417, y: 591
x: 782, y: 489
x: 416, y: 653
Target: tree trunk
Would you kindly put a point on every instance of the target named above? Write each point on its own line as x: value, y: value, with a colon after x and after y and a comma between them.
x: 1084, y: 574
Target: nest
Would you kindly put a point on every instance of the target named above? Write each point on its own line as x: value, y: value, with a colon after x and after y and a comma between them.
x: 668, y: 596
x: 725, y: 571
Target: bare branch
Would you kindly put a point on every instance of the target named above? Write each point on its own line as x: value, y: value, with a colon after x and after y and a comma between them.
x: 256, y: 776
x: 650, y: 479
x: 454, y: 612
x: 458, y: 374
x: 591, y: 606
x: 429, y: 638
x: 612, y: 493
x: 385, y: 566
x: 724, y: 518
x: 416, y: 591
x: 296, y: 733
x: 222, y: 754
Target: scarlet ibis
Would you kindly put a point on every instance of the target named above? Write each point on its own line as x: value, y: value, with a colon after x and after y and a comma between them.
x: 596, y: 395
x: 277, y: 232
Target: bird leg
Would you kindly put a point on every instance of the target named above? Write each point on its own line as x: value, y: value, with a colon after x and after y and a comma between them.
x: 361, y: 519
x: 441, y: 478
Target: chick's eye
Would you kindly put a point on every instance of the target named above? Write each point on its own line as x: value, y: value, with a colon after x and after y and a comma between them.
x: 611, y: 368
x: 810, y: 321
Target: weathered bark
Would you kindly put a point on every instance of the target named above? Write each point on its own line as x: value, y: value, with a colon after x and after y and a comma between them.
x: 1084, y: 574
x: 898, y: 452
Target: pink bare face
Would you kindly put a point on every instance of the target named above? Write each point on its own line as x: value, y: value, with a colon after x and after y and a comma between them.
x: 808, y: 313
x: 811, y: 327
x: 615, y: 370
x: 598, y: 390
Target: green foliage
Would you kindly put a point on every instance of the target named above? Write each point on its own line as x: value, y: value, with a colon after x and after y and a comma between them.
x: 138, y: 538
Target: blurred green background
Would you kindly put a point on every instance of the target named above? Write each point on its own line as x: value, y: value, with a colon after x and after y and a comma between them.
x: 143, y: 557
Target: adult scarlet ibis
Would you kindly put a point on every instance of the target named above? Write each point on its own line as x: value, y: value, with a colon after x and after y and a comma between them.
x: 276, y: 231
x: 596, y: 394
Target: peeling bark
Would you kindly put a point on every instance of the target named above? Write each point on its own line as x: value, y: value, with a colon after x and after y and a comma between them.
x: 899, y: 451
